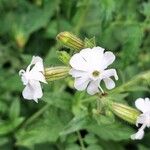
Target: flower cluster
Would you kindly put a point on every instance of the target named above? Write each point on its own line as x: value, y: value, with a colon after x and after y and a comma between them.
x: 89, y: 67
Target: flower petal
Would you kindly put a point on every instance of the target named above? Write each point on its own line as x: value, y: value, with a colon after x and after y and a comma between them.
x: 143, y: 105
x: 38, y: 67
x: 38, y: 64
x: 77, y: 73
x: 110, y: 84
x: 78, y: 62
x: 38, y: 76
x: 93, y: 57
x: 32, y: 91
x: 93, y: 87
x: 81, y: 83
x: 138, y: 135
x: 21, y: 72
x: 28, y: 92
x: 95, y: 53
x: 37, y: 90
x: 36, y: 59
x: 86, y: 54
x: 147, y: 102
x: 108, y: 58
x: 140, y: 120
x: 109, y: 73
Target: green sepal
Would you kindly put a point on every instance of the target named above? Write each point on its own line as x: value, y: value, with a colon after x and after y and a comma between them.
x: 64, y: 57
x: 89, y: 43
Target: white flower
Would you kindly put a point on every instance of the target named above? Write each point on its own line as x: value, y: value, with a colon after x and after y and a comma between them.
x: 144, y: 106
x: 31, y: 78
x: 89, y: 69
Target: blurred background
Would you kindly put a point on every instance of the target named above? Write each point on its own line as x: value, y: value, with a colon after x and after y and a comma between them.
x: 30, y: 27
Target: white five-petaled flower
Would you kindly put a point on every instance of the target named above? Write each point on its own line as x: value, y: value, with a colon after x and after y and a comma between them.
x: 31, y: 78
x: 144, y: 106
x: 89, y: 69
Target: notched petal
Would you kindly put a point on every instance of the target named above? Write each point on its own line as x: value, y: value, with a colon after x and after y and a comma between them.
x: 110, y: 73
x: 108, y: 58
x: 36, y: 59
x: 141, y: 105
x: 93, y: 87
x: 78, y: 62
x: 81, y: 83
x: 110, y: 84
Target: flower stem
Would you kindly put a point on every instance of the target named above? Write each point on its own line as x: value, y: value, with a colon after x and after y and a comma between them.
x: 81, y: 140
x: 101, y: 89
x: 98, y: 105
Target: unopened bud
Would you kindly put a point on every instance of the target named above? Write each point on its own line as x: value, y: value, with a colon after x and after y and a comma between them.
x: 55, y: 73
x: 20, y: 39
x: 70, y: 40
x: 64, y: 57
x: 125, y: 112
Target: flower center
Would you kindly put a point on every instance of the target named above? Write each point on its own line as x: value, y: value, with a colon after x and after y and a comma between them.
x: 95, y: 73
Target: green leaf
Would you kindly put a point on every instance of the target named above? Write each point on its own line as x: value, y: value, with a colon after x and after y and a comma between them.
x: 90, y: 139
x: 146, y: 9
x: 44, y: 129
x: 105, y: 120
x: 142, y: 147
x: 75, y: 124
x: 14, y: 111
x: 72, y: 147
x: 13, y: 78
x: 61, y: 100
x: 94, y: 147
x: 116, y: 131
x: 9, y: 126
x: 3, y: 140
x: 71, y: 138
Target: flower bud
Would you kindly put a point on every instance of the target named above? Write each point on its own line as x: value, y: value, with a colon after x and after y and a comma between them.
x: 20, y: 39
x: 55, y: 73
x: 126, y: 113
x: 70, y: 40
x: 64, y: 57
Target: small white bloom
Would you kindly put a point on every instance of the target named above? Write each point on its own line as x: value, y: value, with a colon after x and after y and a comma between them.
x: 144, y: 106
x: 89, y: 69
x: 31, y: 78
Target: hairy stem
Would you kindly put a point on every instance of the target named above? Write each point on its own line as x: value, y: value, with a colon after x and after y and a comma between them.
x: 80, y: 141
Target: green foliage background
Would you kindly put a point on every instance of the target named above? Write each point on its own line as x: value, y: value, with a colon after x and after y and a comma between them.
x: 63, y: 120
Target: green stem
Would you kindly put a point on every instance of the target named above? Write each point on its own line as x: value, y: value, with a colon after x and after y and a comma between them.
x: 81, y: 141
x: 139, y: 79
x: 98, y: 105
x: 90, y: 99
x: 36, y: 115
